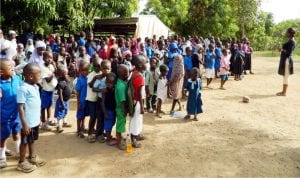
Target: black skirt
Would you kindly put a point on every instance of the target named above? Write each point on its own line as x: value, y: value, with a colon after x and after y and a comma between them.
x: 247, y: 65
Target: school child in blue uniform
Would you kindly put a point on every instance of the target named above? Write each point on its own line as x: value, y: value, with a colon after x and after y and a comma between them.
x: 81, y: 88
x: 194, y: 102
x: 10, y: 122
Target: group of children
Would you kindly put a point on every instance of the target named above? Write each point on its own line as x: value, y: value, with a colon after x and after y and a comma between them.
x: 111, y: 81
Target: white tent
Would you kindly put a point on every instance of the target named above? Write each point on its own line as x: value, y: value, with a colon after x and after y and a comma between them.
x: 149, y: 25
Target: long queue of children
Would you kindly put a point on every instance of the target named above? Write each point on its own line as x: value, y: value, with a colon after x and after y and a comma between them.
x: 111, y: 80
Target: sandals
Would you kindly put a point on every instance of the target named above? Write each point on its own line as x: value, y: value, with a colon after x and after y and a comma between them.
x: 65, y: 124
x: 136, y: 144
x: 140, y: 137
x: 111, y: 142
x: 52, y: 123
x: 91, y: 139
x: 101, y: 139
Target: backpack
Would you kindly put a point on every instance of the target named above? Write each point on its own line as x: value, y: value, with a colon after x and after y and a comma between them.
x: 130, y: 95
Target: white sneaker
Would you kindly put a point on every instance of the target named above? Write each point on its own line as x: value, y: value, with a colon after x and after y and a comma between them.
x: 3, y: 163
x: 26, y: 167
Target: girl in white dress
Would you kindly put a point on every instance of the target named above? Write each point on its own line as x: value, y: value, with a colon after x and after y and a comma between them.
x: 162, y: 88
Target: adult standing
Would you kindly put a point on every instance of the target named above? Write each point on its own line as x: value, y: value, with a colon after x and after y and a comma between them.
x: 286, y: 67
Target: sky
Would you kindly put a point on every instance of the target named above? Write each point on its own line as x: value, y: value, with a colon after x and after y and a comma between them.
x: 281, y: 9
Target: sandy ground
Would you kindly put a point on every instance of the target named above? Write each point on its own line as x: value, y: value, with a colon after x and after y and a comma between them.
x: 231, y: 139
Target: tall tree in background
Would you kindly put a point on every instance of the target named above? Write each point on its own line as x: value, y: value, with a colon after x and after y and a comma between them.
x: 174, y: 13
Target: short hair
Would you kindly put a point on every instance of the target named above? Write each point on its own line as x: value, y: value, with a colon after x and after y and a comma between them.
x: 62, y: 68
x: 111, y: 76
x: 104, y: 63
x: 291, y: 31
x: 29, y: 68
x: 137, y: 60
x: 163, y: 68
x: 120, y: 69
x: 82, y: 64
x: 4, y: 60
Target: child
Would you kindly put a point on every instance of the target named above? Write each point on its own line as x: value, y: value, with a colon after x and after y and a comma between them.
x: 48, y: 84
x: 162, y: 88
x: 224, y: 67
x: 188, y: 65
x: 91, y: 98
x: 120, y: 97
x: 29, y: 104
x: 10, y: 122
x: 109, y: 107
x: 136, y: 122
x: 151, y: 85
x: 81, y: 88
x: 100, y: 87
x: 62, y: 103
x: 194, y: 102
x: 238, y: 61
x: 210, y: 64
x: 127, y: 55
x: 176, y: 82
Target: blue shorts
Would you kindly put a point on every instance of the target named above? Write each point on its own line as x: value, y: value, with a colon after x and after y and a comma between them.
x: 10, y: 127
x: 92, y: 107
x: 61, y: 112
x: 110, y: 121
x: 224, y: 77
x: 47, y: 98
x: 82, y: 111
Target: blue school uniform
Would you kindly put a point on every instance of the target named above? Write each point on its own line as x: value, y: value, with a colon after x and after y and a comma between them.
x: 47, y: 98
x: 81, y: 86
x: 218, y: 58
x: 10, y: 121
x: 194, y: 102
x: 61, y: 109
x: 149, y: 51
x: 188, y: 65
x: 210, y: 60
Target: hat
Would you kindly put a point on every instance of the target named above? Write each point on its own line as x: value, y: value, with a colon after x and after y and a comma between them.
x: 40, y: 44
x: 11, y: 32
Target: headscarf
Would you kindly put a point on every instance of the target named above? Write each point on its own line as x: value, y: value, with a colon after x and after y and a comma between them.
x: 35, y: 58
x: 125, y: 53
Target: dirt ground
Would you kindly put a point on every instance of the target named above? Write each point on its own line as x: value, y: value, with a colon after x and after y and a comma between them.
x: 260, y: 138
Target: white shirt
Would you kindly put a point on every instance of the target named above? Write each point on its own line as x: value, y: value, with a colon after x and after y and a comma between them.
x: 90, y: 95
x: 47, y: 71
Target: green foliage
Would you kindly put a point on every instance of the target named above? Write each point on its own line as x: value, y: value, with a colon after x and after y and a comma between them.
x: 61, y: 15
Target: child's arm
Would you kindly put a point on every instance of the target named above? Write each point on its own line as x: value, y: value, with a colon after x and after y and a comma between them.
x: 91, y: 83
x: 59, y: 90
x: 78, y: 99
x: 48, y: 79
x: 123, y: 106
x: 25, y: 128
x: 103, y: 106
x: 141, y: 99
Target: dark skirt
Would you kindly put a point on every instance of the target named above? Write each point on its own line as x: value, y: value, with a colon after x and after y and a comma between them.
x: 247, y: 65
x: 281, y: 68
x: 237, y: 66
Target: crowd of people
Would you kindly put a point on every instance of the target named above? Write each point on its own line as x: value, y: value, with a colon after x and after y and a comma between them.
x: 113, y: 79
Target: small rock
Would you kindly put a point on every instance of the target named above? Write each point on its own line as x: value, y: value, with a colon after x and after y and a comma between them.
x: 246, y: 99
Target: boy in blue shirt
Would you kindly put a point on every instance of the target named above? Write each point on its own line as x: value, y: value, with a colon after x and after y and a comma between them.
x: 149, y: 49
x: 10, y: 122
x: 29, y: 103
x: 210, y: 59
x: 81, y: 88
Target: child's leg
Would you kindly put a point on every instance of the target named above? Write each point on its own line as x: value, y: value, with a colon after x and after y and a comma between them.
x: 119, y: 139
x: 43, y: 116
x: 179, y: 103
x: 2, y: 153
x: 153, y: 102
x: 195, y: 117
x: 148, y: 102
x: 48, y: 114
x: 173, y: 104
x: 23, y: 148
x: 158, y: 107
x: 16, y: 142
x: 207, y: 82
x: 31, y: 150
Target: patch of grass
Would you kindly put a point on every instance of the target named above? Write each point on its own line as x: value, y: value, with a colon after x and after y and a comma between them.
x: 275, y: 53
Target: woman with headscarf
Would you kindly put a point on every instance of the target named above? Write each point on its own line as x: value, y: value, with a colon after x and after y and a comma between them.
x: 286, y: 67
x: 176, y: 82
x: 37, y: 55
x: 173, y: 51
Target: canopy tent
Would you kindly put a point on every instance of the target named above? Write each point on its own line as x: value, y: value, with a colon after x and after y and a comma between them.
x: 141, y: 26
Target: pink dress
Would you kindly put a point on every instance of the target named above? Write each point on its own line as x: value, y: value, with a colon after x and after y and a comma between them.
x: 225, y: 65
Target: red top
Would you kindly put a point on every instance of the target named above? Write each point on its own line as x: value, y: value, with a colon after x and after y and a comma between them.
x: 138, y: 81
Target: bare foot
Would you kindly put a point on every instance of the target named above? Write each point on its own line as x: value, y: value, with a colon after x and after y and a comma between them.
x: 280, y: 94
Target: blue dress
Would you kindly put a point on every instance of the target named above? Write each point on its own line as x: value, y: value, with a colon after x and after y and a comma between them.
x: 194, y: 102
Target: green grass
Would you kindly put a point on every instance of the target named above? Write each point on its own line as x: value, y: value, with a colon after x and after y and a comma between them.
x: 275, y: 53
